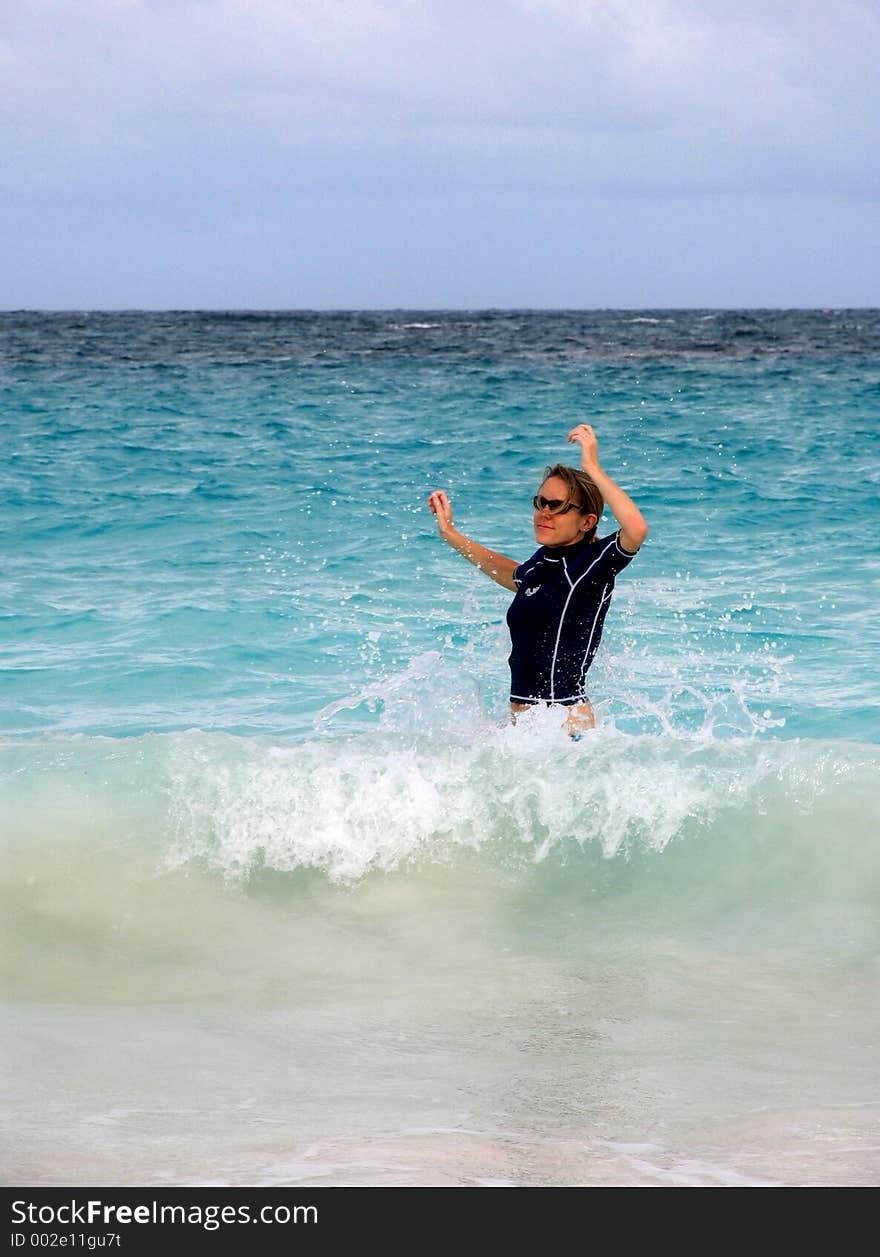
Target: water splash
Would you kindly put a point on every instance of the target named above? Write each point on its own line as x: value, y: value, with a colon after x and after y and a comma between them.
x: 427, y: 697
x: 517, y: 795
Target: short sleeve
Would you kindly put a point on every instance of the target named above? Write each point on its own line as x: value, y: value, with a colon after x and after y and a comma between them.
x: 520, y: 572
x: 611, y: 559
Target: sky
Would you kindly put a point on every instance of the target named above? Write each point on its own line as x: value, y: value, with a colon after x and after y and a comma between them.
x: 433, y: 154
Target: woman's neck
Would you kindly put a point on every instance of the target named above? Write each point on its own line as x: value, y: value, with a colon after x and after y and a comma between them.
x: 559, y: 552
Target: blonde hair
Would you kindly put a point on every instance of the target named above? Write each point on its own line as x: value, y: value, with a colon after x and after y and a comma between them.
x: 582, y: 491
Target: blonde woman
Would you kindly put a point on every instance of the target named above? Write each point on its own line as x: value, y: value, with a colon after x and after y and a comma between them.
x: 564, y: 589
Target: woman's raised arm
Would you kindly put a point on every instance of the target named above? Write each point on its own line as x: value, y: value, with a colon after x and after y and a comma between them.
x: 497, y: 566
x: 633, y: 529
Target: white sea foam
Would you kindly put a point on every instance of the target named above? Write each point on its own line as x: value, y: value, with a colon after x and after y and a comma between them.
x: 518, y: 794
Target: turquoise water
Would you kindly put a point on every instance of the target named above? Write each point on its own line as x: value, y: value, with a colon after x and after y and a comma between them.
x: 263, y: 811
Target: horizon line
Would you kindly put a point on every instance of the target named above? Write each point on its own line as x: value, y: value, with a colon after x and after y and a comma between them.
x: 489, y: 309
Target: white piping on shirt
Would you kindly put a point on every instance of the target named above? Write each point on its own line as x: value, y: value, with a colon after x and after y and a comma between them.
x: 572, y: 698
x: 630, y: 554
x: 562, y: 617
x: 602, y: 602
x: 524, y: 575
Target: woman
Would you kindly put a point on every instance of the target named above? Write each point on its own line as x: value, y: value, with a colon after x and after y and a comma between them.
x: 563, y: 590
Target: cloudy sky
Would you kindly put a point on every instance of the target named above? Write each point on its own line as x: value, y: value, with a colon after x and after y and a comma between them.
x: 439, y: 153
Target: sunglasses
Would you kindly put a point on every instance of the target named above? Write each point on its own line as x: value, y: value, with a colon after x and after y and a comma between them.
x: 556, y: 506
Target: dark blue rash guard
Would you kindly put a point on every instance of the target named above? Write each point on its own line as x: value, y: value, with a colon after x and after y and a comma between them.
x: 556, y: 618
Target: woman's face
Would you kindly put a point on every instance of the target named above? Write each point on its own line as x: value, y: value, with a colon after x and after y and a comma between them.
x: 559, y: 529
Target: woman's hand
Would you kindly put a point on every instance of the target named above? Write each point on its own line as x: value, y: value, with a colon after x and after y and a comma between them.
x: 497, y: 566
x: 441, y: 507
x: 584, y: 435
x: 633, y: 529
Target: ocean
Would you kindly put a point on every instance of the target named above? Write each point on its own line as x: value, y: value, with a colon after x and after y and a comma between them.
x: 287, y: 900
